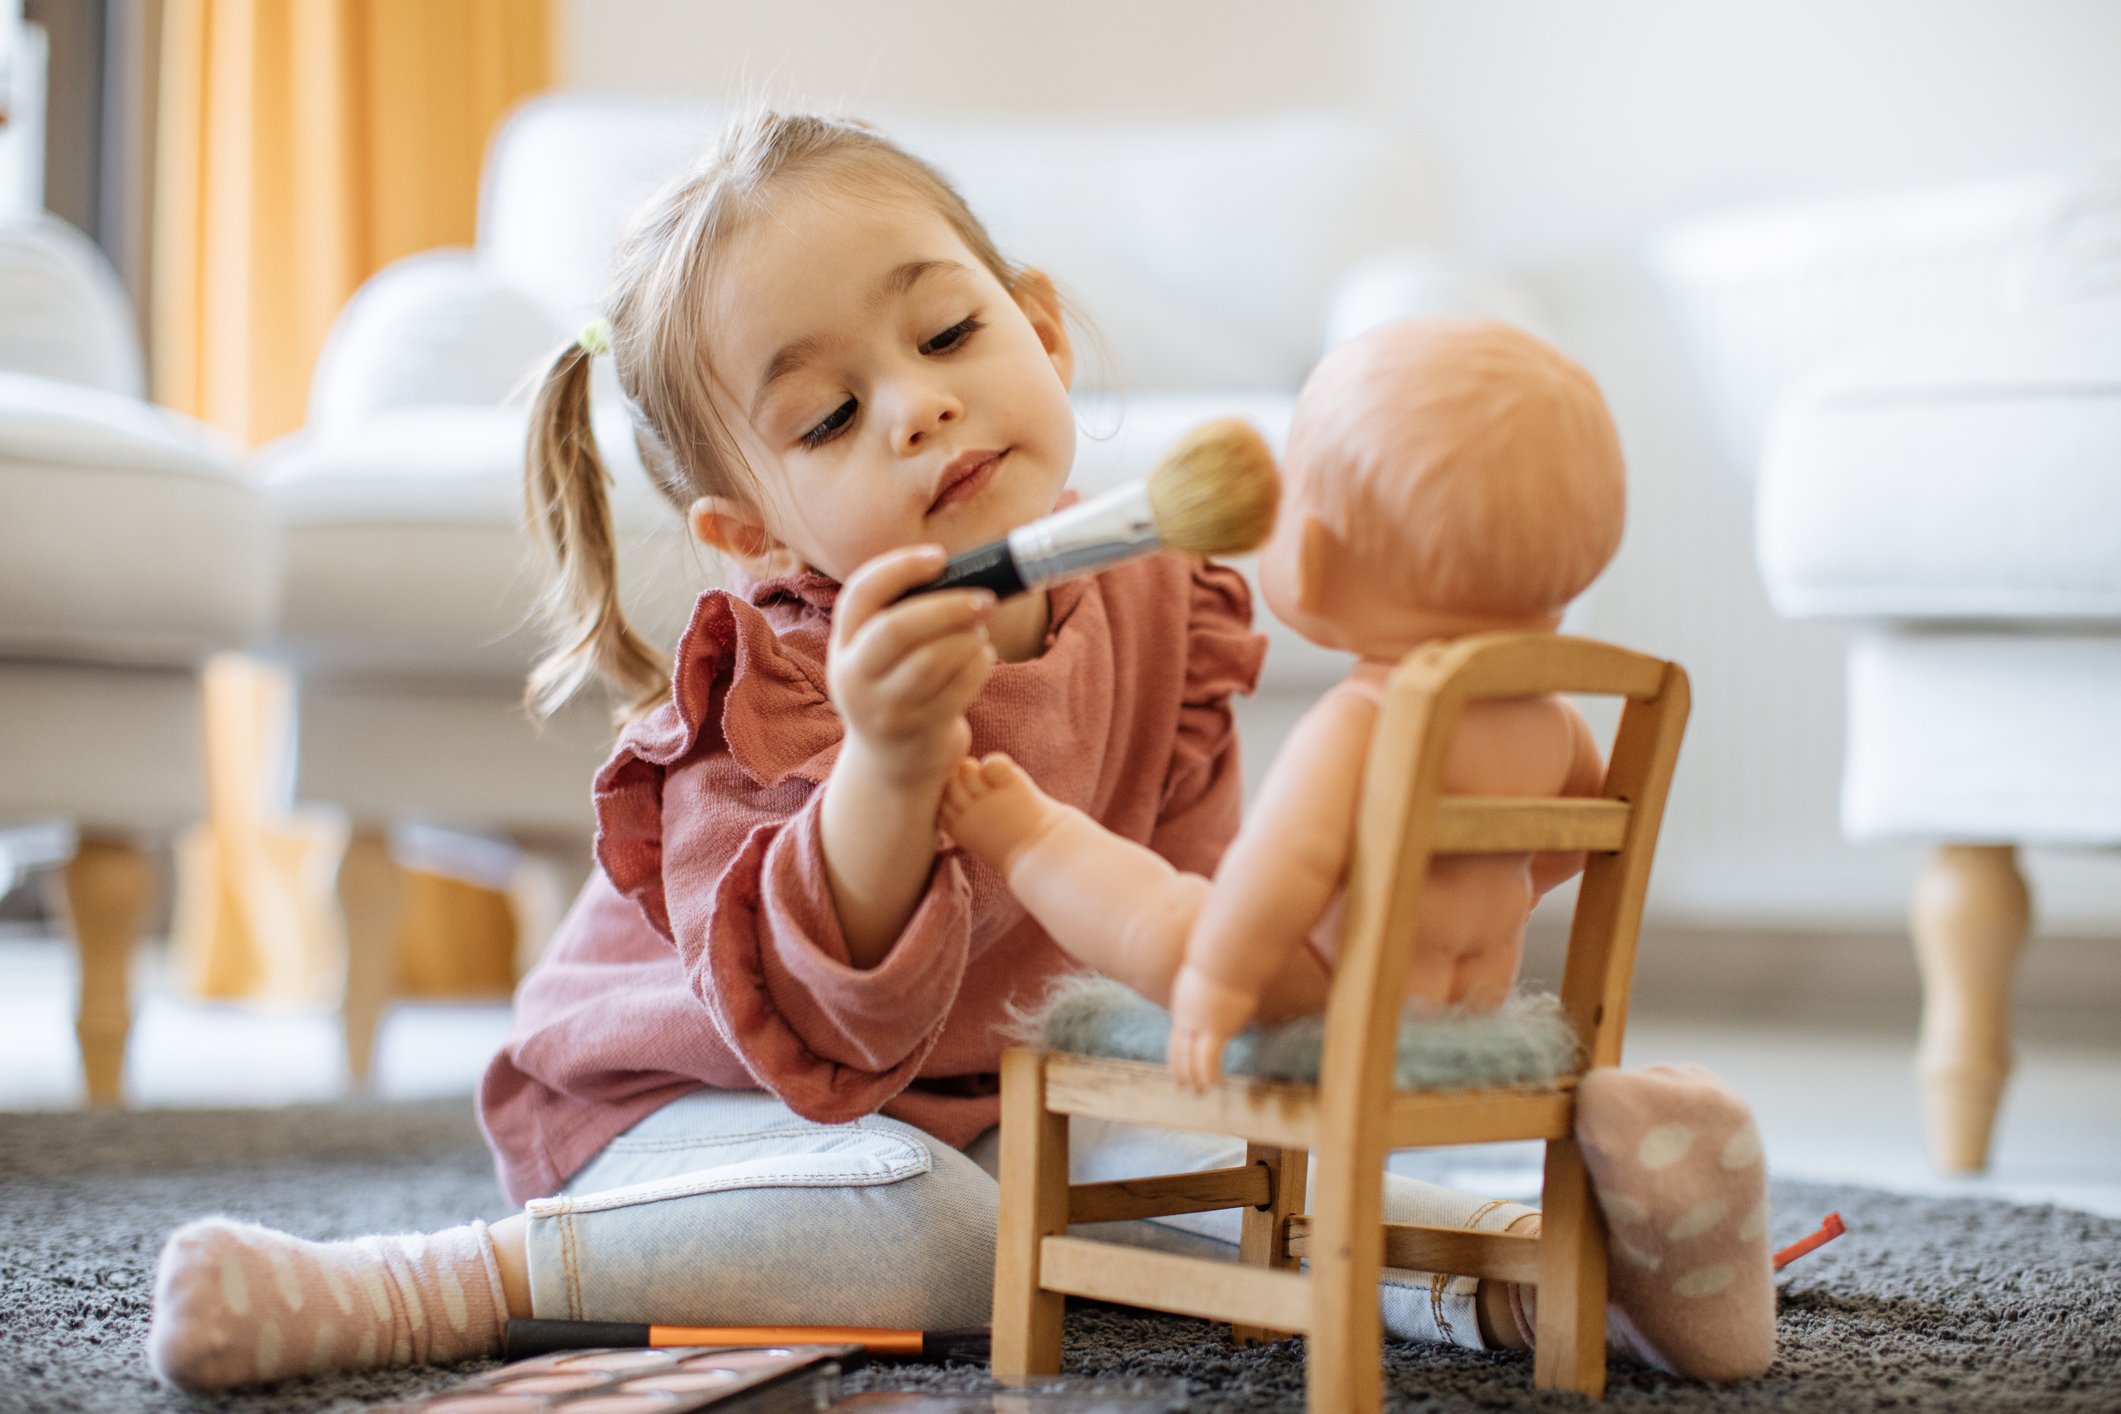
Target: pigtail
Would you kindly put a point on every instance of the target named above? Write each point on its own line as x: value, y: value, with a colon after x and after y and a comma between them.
x: 567, y: 500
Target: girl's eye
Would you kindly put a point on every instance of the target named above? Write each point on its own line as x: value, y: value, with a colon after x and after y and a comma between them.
x: 834, y: 424
x: 953, y: 336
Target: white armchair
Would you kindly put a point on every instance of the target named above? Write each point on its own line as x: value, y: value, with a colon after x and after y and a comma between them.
x: 1215, y: 262
x: 130, y: 548
x: 1945, y: 479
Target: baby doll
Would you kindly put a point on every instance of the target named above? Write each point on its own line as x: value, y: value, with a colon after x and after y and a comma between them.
x: 1443, y: 477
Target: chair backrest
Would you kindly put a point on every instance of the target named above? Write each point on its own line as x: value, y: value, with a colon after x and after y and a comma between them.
x: 1404, y: 819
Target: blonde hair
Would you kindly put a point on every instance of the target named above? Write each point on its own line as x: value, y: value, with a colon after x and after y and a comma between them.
x: 1462, y: 465
x: 657, y: 308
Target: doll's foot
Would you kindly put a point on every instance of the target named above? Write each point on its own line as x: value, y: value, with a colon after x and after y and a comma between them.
x: 995, y: 811
x: 1677, y: 1167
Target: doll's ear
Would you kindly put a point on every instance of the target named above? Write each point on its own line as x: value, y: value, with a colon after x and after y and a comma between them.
x: 1317, y: 550
x: 734, y: 529
x: 1041, y: 304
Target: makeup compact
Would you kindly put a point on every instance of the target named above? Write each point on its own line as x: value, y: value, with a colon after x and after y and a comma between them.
x: 793, y: 1379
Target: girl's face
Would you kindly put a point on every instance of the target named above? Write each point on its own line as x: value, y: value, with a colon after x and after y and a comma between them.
x: 883, y: 387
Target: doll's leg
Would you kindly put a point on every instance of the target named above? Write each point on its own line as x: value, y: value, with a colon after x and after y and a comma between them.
x: 1108, y: 901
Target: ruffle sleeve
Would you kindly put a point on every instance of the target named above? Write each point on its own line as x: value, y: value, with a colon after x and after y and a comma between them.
x: 707, y: 819
x: 1222, y: 658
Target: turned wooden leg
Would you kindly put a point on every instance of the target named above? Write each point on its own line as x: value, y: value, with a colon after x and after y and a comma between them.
x: 1262, y: 1234
x: 372, y: 901
x: 1971, y: 916
x: 106, y: 896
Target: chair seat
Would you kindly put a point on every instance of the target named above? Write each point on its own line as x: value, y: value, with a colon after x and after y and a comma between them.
x: 126, y: 534
x: 1972, y: 478
x: 1527, y: 1039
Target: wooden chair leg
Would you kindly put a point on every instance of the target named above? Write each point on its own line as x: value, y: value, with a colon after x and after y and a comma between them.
x: 1569, y: 1347
x: 106, y: 886
x: 1970, y: 918
x: 1260, y: 1239
x: 1034, y: 1206
x: 1344, y: 1351
x: 372, y: 902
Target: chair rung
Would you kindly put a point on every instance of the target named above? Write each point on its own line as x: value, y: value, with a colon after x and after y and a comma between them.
x: 1207, y: 1191
x: 1163, y: 1281
x: 1510, y: 1256
x: 1143, y: 1093
x: 1433, y: 1118
x: 1500, y: 824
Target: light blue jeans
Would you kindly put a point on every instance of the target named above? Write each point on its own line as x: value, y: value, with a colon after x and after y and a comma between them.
x: 726, y: 1208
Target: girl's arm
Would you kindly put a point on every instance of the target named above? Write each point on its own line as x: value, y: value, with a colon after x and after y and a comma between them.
x: 902, y: 676
x: 1276, y: 882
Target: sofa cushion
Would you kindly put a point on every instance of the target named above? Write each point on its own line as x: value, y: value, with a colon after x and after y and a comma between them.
x: 1978, y: 477
x: 1203, y: 251
x: 1977, y: 737
x: 126, y: 535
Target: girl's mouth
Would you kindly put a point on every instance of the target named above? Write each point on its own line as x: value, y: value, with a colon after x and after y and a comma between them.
x: 966, y: 478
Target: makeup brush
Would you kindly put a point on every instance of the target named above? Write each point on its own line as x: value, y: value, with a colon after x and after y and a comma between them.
x: 1212, y: 494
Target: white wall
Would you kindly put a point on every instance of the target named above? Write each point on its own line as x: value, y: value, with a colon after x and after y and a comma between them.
x: 1568, y: 134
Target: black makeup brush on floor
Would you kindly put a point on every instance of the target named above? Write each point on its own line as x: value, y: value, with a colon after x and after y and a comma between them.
x: 1212, y: 494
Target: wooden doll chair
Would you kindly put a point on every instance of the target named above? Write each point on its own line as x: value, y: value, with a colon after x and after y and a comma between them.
x: 1352, y: 1116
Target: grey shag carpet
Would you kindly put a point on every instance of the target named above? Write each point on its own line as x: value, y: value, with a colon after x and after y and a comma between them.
x: 1926, y: 1304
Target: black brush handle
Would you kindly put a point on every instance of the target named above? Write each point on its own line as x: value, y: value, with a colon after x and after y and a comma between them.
x: 988, y: 566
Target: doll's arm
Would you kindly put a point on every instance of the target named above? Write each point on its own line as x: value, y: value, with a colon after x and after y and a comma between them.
x: 1586, y: 777
x: 1274, y: 885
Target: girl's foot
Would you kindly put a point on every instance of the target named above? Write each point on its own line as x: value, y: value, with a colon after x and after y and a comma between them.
x: 239, y: 1304
x: 995, y: 811
x: 1677, y: 1166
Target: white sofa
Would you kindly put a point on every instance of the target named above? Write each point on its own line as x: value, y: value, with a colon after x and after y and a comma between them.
x: 130, y: 548
x: 1947, y: 480
x: 1215, y: 260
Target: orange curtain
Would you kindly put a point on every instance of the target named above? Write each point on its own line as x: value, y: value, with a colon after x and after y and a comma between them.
x: 302, y: 146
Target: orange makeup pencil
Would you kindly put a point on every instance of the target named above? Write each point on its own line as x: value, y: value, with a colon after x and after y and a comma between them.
x: 527, y: 1338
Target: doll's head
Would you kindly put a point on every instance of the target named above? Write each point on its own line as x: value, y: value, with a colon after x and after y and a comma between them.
x: 1443, y: 476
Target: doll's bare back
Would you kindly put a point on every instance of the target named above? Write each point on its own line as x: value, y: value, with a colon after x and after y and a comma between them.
x: 1470, y: 935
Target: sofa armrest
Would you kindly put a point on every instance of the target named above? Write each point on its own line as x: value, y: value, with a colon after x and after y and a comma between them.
x: 431, y: 329
x: 1412, y: 282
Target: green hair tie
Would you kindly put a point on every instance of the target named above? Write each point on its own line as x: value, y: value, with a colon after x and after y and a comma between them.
x: 595, y: 337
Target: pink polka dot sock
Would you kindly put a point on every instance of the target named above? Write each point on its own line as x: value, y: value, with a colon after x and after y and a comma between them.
x: 1676, y: 1164
x: 238, y: 1304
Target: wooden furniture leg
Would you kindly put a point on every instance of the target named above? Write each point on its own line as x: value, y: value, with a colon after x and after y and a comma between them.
x: 1034, y: 1206
x: 372, y: 901
x: 1970, y: 919
x: 1262, y: 1230
x: 106, y: 896
x: 1345, y: 1350
x: 1569, y: 1351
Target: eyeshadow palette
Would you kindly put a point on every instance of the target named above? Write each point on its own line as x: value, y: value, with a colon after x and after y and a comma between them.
x: 792, y: 1379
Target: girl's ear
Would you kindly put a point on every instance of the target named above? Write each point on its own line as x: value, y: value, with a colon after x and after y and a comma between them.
x: 734, y: 529
x: 1040, y: 302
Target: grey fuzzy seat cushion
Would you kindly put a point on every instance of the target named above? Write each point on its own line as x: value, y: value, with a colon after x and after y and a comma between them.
x: 1525, y: 1040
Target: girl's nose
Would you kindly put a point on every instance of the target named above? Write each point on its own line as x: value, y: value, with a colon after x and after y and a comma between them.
x: 924, y: 410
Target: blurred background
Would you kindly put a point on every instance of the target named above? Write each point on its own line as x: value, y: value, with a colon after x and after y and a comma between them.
x: 339, y: 239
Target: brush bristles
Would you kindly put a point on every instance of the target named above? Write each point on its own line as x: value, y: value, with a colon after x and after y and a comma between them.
x: 1215, y: 492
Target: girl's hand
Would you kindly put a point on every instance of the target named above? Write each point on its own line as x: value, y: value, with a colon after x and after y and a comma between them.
x: 903, y: 675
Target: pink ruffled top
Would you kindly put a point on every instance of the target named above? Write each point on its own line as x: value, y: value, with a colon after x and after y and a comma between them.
x: 706, y: 952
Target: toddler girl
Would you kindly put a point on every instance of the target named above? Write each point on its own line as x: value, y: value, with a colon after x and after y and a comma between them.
x: 752, y: 1081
